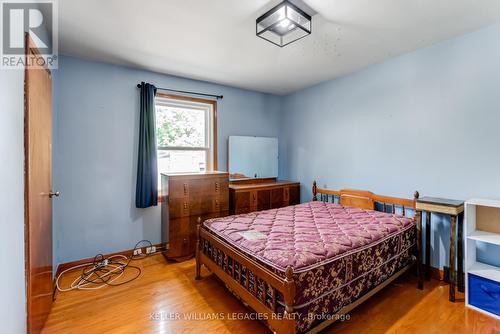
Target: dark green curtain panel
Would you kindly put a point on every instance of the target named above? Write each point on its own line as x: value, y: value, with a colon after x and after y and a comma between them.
x: 146, y: 193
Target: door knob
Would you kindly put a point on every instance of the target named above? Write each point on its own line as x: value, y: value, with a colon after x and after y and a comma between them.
x: 52, y: 194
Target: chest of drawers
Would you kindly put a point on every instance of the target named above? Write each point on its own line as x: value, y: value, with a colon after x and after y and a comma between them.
x: 186, y: 199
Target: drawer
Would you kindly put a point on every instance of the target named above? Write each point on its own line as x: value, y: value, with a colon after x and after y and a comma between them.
x: 179, y: 207
x: 179, y: 237
x: 193, y: 227
x: 253, y: 199
x: 286, y: 194
x: 238, y: 211
x: 242, y: 199
x: 201, y: 205
x: 263, y: 200
x: 294, y: 195
x: 484, y: 294
x: 220, y: 204
x: 211, y: 186
x: 207, y: 204
x: 179, y: 247
x: 178, y: 189
x: 277, y: 197
x: 178, y: 226
x: 221, y: 186
x: 185, y: 188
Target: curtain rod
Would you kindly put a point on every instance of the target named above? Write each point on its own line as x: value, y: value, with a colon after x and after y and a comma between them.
x: 187, y: 92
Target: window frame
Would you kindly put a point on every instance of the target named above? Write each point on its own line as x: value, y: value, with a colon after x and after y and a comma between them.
x: 210, y: 132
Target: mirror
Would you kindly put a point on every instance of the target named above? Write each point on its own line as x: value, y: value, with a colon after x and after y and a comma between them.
x: 252, y: 157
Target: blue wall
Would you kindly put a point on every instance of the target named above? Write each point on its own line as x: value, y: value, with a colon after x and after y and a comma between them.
x: 12, y: 280
x: 95, y: 151
x: 428, y: 121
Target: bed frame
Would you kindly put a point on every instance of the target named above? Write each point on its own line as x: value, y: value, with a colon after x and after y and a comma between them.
x: 258, y: 287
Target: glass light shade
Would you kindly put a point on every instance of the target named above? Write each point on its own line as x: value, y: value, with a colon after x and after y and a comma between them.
x: 284, y: 24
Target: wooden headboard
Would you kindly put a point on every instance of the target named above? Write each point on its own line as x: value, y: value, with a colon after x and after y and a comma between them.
x: 364, y: 199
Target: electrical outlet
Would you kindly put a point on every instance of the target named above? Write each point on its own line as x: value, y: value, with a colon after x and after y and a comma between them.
x: 103, y: 263
x: 150, y: 250
x: 138, y: 251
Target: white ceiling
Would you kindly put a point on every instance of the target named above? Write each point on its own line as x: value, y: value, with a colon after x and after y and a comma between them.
x: 215, y: 40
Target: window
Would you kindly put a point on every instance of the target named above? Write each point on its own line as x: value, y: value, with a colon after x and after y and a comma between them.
x: 185, y: 134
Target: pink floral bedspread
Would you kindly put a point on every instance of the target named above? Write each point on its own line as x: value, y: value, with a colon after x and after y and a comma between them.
x: 306, y: 235
x: 338, y: 253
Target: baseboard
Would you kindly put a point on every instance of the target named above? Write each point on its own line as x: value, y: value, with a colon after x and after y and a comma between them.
x: 63, y: 266
x: 437, y: 274
x: 444, y: 275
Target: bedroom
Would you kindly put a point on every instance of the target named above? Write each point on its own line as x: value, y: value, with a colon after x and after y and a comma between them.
x: 176, y: 141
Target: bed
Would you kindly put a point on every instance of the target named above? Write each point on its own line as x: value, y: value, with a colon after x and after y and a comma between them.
x: 305, y: 266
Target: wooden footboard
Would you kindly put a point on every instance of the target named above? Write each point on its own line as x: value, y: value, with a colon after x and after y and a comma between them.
x: 256, y: 285
x: 259, y: 287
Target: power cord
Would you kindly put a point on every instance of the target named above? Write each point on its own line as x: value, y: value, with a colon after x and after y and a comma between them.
x: 105, y: 271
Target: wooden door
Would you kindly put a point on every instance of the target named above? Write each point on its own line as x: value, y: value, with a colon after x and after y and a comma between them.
x: 38, y: 192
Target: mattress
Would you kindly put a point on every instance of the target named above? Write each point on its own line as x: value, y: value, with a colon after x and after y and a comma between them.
x: 338, y: 253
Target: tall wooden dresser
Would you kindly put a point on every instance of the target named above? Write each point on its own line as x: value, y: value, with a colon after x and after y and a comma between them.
x: 187, y: 197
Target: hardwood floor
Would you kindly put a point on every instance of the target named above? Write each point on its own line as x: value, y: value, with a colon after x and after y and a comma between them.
x: 161, y: 299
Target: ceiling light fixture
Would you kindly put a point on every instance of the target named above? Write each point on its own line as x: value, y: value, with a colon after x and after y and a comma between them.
x: 284, y: 24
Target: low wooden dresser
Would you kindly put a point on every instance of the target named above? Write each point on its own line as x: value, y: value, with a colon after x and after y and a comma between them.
x: 186, y: 199
x: 262, y: 194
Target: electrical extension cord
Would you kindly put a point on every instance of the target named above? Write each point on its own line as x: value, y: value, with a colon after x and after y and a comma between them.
x: 103, y: 271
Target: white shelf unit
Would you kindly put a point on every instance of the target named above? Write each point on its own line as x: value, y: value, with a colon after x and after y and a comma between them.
x: 488, y: 237
x: 482, y: 224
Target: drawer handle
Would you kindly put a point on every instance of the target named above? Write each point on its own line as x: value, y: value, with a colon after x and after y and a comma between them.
x: 185, y: 205
x: 217, y: 186
x: 492, y: 294
x: 185, y: 188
